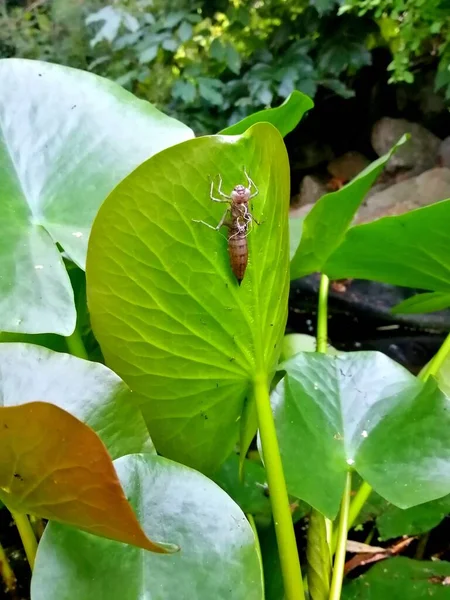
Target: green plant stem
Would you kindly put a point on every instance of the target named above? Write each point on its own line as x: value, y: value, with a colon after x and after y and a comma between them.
x: 26, y: 535
x: 75, y: 345
x: 341, y: 548
x: 431, y: 369
x: 284, y: 527
x: 319, y: 530
x: 356, y: 505
x: 360, y: 498
x: 436, y: 362
x: 322, y: 347
x: 322, y: 315
x: 7, y: 574
x: 38, y: 526
x: 318, y: 556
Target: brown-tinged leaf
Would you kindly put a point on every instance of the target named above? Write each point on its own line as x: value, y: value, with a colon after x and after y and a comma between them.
x: 54, y: 466
x: 358, y: 547
x: 367, y: 557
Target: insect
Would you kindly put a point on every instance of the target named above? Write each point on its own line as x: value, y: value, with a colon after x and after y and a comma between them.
x: 238, y: 220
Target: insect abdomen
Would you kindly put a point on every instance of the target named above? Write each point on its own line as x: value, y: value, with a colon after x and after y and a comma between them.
x: 238, y: 249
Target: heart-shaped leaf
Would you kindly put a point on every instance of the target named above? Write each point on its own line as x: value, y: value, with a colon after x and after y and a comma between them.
x: 176, y: 503
x: 54, y: 466
x: 89, y: 391
x: 66, y: 139
x: 361, y: 411
x: 423, y: 303
x: 324, y: 227
x: 165, y: 306
x: 395, y: 522
x: 409, y: 250
x: 400, y: 579
x: 284, y: 117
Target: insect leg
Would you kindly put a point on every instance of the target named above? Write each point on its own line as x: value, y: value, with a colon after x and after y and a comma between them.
x: 219, y: 189
x: 219, y: 224
x: 218, y: 199
x: 251, y: 183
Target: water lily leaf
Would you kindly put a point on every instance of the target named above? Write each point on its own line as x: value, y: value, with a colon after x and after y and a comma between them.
x: 63, y: 472
x: 285, y: 117
x: 361, y: 411
x: 67, y: 137
x: 395, y: 522
x: 167, y: 310
x: 408, y: 250
x: 176, y: 503
x: 89, y: 391
x: 399, y: 578
x: 324, y: 227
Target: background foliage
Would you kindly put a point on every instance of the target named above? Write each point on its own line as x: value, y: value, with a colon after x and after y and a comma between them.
x: 210, y: 63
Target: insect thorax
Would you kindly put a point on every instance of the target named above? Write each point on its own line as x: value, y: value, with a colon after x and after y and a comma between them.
x: 240, y: 194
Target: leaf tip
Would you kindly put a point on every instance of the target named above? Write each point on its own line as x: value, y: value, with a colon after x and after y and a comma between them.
x: 165, y: 548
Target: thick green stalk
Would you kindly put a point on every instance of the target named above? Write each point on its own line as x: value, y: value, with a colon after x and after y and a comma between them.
x: 322, y: 315
x: 6, y: 572
x: 284, y: 528
x: 341, y: 548
x: 318, y: 540
x: 75, y: 344
x: 318, y: 556
x: 360, y: 498
x: 26, y: 535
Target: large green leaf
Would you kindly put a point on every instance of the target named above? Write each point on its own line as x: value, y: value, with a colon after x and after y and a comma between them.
x: 324, y: 227
x: 409, y: 250
x: 401, y: 579
x: 66, y: 139
x: 218, y: 557
x: 87, y: 390
x: 285, y: 117
x: 165, y: 306
x: 361, y: 411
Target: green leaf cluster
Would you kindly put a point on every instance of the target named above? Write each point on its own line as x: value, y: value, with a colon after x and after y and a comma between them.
x: 95, y: 179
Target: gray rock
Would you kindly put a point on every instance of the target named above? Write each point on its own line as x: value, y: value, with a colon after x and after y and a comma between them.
x: 311, y: 154
x: 300, y: 211
x: 311, y: 189
x: 425, y: 189
x: 348, y: 166
x: 444, y: 153
x: 418, y: 154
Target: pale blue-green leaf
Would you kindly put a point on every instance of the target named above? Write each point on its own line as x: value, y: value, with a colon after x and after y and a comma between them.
x: 217, y: 557
x: 67, y: 137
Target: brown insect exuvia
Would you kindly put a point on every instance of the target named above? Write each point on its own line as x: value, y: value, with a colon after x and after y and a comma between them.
x: 238, y: 219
